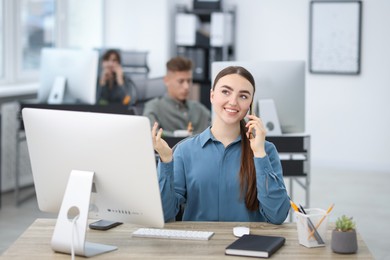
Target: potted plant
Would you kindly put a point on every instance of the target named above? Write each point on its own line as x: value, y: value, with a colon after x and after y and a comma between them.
x: 344, y: 239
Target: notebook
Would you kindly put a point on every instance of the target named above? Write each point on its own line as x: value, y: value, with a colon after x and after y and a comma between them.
x: 255, y: 246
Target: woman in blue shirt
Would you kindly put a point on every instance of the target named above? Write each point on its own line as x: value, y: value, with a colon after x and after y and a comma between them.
x: 229, y: 172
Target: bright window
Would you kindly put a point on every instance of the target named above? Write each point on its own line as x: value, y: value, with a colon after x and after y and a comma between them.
x: 27, y: 26
x: 37, y: 30
x: 1, y: 40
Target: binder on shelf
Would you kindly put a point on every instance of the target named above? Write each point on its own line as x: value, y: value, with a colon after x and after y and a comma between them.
x: 221, y: 29
x: 186, y: 27
x: 207, y: 4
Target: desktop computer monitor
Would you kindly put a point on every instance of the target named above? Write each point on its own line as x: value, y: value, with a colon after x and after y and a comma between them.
x: 280, y: 88
x: 68, y: 76
x: 99, y: 165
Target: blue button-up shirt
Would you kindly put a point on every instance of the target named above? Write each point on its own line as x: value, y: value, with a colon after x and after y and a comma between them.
x: 204, y: 175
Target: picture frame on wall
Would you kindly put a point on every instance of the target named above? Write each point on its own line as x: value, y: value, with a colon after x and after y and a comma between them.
x: 335, y: 37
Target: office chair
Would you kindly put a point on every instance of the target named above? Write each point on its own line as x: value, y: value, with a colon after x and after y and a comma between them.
x: 147, y: 89
x: 135, y: 64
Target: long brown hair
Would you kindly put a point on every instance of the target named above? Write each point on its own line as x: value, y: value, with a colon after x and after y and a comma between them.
x: 247, y: 173
x: 106, y: 56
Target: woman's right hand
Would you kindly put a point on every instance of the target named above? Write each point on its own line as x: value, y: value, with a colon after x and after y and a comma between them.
x: 117, y: 69
x: 106, y: 75
x: 159, y: 144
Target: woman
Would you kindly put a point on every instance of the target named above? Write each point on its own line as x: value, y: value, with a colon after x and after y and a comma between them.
x: 229, y: 172
x: 112, y: 83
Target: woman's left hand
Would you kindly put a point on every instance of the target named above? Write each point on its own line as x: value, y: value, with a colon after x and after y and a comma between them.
x: 160, y: 145
x: 256, y: 133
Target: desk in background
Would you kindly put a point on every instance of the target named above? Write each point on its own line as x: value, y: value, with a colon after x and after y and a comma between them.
x: 294, y: 153
x: 15, y: 162
x: 34, y: 243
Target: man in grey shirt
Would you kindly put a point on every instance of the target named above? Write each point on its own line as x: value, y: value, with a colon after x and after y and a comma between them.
x: 174, y: 111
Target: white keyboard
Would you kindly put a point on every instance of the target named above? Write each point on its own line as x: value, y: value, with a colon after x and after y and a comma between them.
x: 173, y: 234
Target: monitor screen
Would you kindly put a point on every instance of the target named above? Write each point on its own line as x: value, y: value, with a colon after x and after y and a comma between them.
x: 117, y: 149
x: 76, y: 69
x: 283, y: 82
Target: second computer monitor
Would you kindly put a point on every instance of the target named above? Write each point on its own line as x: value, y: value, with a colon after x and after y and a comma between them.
x: 282, y: 83
x: 68, y: 76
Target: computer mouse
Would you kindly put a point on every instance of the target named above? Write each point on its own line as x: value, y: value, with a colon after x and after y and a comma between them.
x: 240, y: 231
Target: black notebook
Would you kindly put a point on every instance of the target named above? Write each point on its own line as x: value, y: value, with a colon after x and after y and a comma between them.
x: 255, y: 245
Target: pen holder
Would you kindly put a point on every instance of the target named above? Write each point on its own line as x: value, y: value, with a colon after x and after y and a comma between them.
x: 312, y: 227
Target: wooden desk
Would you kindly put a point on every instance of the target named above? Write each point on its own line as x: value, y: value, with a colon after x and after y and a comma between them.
x: 35, y: 243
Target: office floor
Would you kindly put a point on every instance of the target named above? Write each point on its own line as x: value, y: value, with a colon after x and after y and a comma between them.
x: 363, y: 195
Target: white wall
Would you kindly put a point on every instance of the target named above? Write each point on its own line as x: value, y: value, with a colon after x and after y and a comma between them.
x: 140, y: 25
x: 347, y: 116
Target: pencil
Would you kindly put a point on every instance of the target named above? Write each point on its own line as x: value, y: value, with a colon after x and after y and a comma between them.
x: 312, y: 228
x: 294, y: 206
x: 322, y: 219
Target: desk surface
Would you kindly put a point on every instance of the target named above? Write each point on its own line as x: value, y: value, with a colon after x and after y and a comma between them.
x: 34, y: 243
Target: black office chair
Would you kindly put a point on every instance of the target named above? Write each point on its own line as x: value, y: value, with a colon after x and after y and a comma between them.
x: 135, y: 64
x: 147, y: 89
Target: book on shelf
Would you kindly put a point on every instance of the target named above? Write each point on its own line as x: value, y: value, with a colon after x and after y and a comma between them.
x: 255, y: 246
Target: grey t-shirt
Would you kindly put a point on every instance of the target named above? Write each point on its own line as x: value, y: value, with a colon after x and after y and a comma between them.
x: 174, y: 115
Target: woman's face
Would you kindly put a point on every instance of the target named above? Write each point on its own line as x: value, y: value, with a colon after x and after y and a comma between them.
x: 231, y: 98
x: 111, y: 63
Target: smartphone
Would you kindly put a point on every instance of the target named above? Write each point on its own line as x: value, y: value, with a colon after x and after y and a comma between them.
x: 104, y: 224
x: 252, y: 134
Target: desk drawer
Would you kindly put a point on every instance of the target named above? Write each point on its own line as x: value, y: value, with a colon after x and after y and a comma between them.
x: 290, y: 144
x: 294, y: 168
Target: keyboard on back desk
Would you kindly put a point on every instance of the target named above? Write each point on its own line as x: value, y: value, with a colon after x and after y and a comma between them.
x: 173, y: 234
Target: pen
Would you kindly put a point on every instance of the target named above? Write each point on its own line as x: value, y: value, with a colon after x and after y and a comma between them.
x: 322, y: 219
x: 312, y: 228
x: 302, y: 209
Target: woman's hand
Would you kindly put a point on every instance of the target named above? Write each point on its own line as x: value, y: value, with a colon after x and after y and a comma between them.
x: 106, y: 74
x: 119, y: 74
x: 159, y: 144
x: 256, y: 134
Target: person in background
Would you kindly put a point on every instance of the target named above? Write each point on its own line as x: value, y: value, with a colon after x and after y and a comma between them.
x: 229, y: 172
x: 174, y: 111
x: 112, y: 82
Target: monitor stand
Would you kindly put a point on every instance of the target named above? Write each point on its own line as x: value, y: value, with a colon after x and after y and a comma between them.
x: 57, y: 91
x: 76, y: 201
x: 269, y: 116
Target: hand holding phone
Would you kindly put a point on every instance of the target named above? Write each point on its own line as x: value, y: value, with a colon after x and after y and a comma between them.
x: 104, y: 224
x: 256, y: 134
